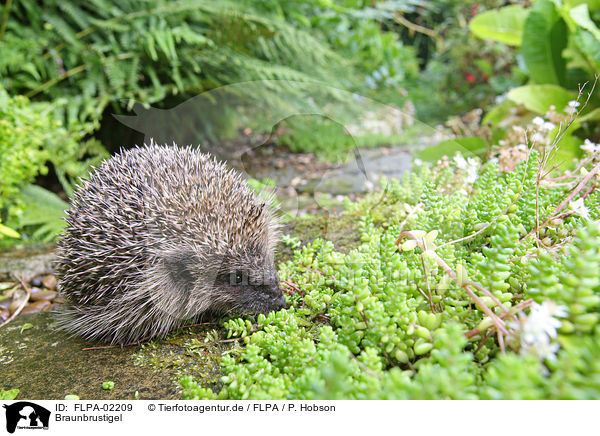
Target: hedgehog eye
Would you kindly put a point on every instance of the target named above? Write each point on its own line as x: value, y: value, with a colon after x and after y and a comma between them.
x: 239, y: 278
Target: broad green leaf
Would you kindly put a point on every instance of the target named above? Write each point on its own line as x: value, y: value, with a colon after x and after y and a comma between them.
x: 544, y: 39
x: 581, y: 16
x: 498, y: 113
x: 503, y: 25
x: 468, y: 146
x: 589, y: 46
x: 45, y: 210
x: 592, y: 5
x: 539, y: 98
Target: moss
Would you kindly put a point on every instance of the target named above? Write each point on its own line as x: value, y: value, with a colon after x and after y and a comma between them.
x: 196, y: 350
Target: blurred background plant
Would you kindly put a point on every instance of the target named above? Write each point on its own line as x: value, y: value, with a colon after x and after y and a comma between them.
x: 66, y: 67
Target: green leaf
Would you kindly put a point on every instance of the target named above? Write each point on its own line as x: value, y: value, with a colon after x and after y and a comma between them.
x: 26, y: 326
x: 8, y: 395
x: 539, y: 98
x: 581, y: 16
x: 593, y: 115
x: 498, y: 113
x: 8, y: 232
x: 544, y: 39
x: 503, y: 25
x: 589, y: 46
x: 467, y: 145
x: 593, y: 5
x: 44, y: 209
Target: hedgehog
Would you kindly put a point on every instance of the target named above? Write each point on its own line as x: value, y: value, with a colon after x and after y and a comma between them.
x: 158, y: 235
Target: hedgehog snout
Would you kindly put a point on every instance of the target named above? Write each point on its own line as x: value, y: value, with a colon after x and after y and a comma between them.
x: 267, y: 296
x: 275, y: 297
x: 280, y: 302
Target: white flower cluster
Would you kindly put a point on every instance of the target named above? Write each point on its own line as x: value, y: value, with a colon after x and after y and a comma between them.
x: 571, y: 107
x: 590, y: 147
x: 538, y: 330
x: 469, y: 165
x: 542, y: 129
x: 578, y: 207
x: 543, y: 124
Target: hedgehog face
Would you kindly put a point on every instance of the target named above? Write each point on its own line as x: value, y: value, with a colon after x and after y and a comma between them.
x: 238, y: 283
x: 248, y: 284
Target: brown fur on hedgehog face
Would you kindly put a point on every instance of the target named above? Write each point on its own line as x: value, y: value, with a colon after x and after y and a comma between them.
x: 237, y: 283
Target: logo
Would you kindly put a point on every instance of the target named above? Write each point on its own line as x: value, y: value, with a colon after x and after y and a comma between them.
x: 26, y: 415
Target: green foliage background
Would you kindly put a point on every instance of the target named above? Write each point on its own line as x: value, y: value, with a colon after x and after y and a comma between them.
x: 65, y: 66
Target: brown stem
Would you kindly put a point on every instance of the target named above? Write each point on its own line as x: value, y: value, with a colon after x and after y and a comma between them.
x: 416, y: 28
x: 588, y: 192
x: 498, y: 323
x: 489, y: 294
x: 521, y: 306
x: 294, y: 287
x: 578, y: 188
x: 501, y: 342
x: 430, y: 298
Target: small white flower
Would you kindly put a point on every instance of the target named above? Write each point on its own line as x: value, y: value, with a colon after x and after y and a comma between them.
x: 555, y: 310
x: 542, y: 350
x: 537, y: 330
x: 471, y: 175
x: 571, y: 107
x: 493, y: 160
x: 521, y: 147
x: 542, y: 319
x: 469, y: 165
x: 538, y: 121
x: 538, y: 138
x: 460, y: 162
x: 590, y: 147
x: 548, y: 126
x: 417, y: 162
x: 578, y: 207
x: 471, y: 170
